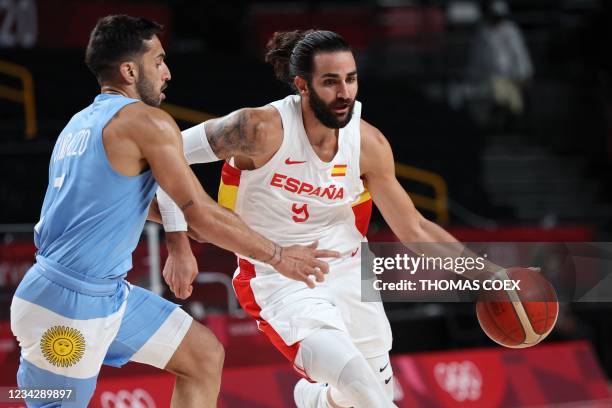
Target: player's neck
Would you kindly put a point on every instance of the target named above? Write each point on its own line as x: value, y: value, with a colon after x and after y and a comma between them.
x: 119, y: 90
x: 318, y: 134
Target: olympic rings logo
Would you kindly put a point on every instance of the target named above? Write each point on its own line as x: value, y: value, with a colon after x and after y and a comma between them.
x: 137, y: 398
x: 463, y: 381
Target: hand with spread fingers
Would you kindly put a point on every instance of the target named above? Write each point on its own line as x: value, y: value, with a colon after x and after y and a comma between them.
x: 302, y: 263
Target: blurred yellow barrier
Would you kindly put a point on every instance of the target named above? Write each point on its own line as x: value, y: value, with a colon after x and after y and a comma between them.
x: 186, y: 114
x: 439, y: 203
x: 24, y: 96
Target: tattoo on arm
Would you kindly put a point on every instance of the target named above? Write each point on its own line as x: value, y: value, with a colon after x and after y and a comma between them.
x: 237, y: 133
x: 187, y: 205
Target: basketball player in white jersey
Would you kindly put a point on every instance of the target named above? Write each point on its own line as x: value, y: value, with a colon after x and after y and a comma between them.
x: 298, y: 170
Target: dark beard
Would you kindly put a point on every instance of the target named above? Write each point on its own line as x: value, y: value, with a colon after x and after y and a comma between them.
x: 324, y: 113
x: 147, y: 92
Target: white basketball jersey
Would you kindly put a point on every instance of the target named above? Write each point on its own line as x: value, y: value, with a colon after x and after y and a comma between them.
x: 296, y: 198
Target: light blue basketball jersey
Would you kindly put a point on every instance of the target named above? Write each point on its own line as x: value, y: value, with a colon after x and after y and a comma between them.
x: 90, y: 224
x: 92, y: 216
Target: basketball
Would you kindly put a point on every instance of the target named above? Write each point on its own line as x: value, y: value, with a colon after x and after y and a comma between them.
x: 519, y: 318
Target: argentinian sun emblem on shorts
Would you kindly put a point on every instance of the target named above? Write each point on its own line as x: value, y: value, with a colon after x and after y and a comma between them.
x: 62, y: 346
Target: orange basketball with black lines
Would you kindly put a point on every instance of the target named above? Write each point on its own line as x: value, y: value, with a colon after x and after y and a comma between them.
x: 519, y: 318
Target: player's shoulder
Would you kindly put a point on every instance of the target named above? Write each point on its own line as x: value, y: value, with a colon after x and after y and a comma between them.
x: 148, y: 116
x: 263, y: 124
x: 139, y: 120
x: 376, y: 152
x: 371, y: 137
x: 265, y: 116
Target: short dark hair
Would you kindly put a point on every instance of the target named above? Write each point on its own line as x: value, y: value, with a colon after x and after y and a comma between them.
x: 116, y: 38
x: 292, y: 53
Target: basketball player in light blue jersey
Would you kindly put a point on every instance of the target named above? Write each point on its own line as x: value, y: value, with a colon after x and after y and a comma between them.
x: 74, y: 310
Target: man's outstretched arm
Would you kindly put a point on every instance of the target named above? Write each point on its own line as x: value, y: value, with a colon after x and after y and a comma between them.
x: 248, y: 132
x: 159, y: 140
x: 253, y: 133
x: 396, y: 207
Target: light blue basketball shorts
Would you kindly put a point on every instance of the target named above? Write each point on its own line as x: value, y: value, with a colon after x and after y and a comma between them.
x: 68, y: 326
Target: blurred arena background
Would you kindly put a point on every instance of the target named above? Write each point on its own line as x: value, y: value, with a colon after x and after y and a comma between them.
x: 492, y: 156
